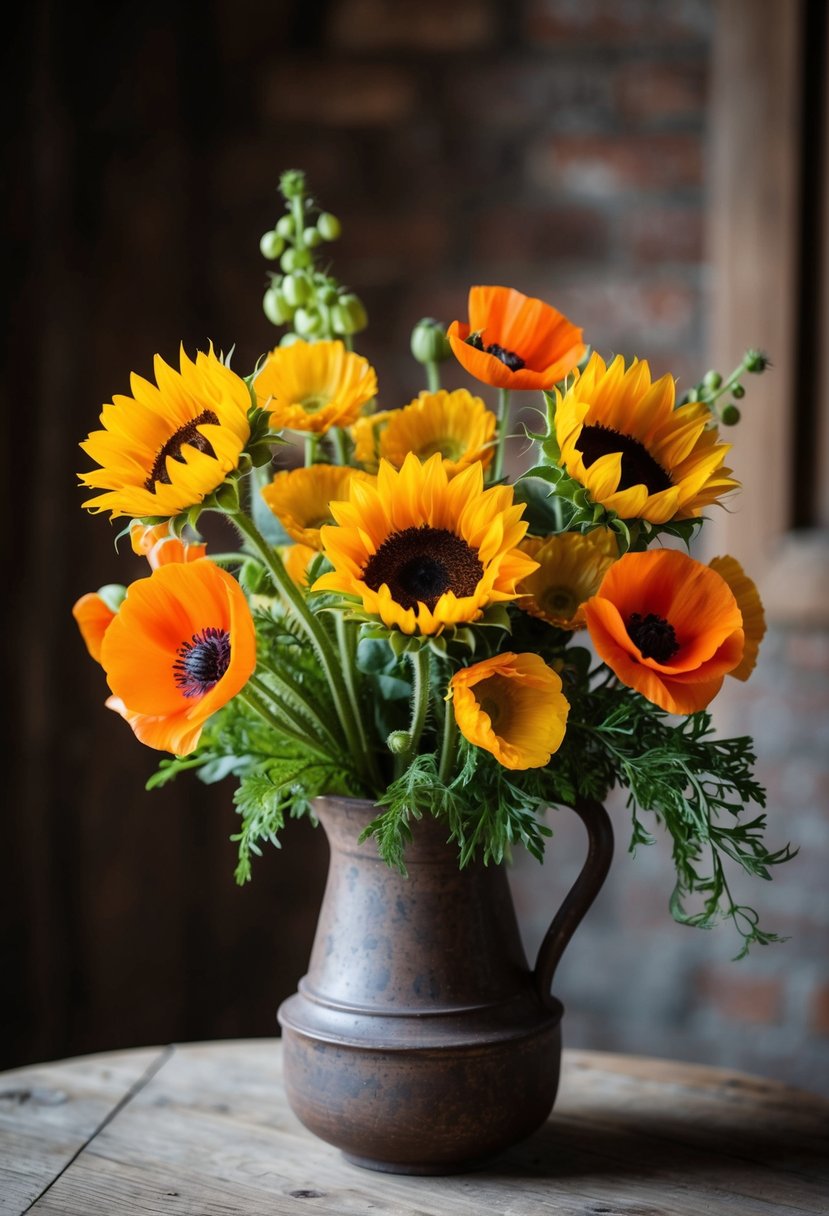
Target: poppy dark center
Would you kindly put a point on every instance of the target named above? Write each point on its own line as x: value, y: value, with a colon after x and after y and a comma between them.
x: 202, y: 661
x: 638, y: 466
x: 420, y: 564
x: 508, y: 357
x: 185, y: 434
x: 653, y: 635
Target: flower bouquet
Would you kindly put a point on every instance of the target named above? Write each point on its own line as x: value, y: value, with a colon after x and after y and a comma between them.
x: 402, y: 620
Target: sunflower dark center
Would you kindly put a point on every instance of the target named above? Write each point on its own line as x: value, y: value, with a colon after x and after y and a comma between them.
x: 638, y: 466
x: 653, y: 635
x: 420, y: 564
x: 172, y: 448
x: 508, y: 357
x: 202, y: 661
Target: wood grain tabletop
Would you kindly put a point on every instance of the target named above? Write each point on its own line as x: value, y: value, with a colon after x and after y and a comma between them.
x: 203, y: 1129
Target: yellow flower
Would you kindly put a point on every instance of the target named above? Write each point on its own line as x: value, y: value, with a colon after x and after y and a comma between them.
x: 365, y: 434
x: 297, y: 559
x: 300, y: 498
x: 750, y: 605
x: 571, y: 567
x: 511, y: 705
x: 423, y: 551
x: 312, y: 386
x: 457, y: 425
x: 622, y: 439
x: 166, y: 448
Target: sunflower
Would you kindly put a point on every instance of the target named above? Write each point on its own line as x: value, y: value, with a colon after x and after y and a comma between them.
x: 750, y: 605
x: 300, y: 498
x: 423, y: 551
x: 297, y: 560
x: 457, y: 425
x: 365, y: 435
x: 511, y: 705
x: 668, y: 626
x: 165, y: 448
x: 181, y: 646
x: 571, y: 565
x: 312, y: 386
x: 622, y: 439
x: 160, y: 546
x: 515, y: 341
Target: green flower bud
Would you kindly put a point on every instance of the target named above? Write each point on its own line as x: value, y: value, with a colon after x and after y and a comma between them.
x: 276, y: 307
x: 113, y: 595
x: 398, y: 742
x: 292, y: 183
x: 329, y: 226
x: 755, y: 361
x: 296, y: 289
x: 307, y: 321
x: 348, y: 316
x: 289, y: 338
x: 738, y: 391
x: 429, y: 343
x: 712, y: 380
x: 302, y: 259
x: 271, y: 245
x: 312, y: 238
x: 288, y: 261
x: 285, y: 227
x: 729, y: 415
x: 327, y: 295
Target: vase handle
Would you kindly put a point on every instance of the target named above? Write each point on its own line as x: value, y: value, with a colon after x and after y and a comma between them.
x: 580, y: 896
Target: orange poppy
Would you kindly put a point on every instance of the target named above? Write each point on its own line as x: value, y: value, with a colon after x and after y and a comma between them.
x: 668, y: 626
x: 160, y: 546
x: 515, y: 341
x: 94, y: 613
x: 181, y: 646
x: 751, y: 606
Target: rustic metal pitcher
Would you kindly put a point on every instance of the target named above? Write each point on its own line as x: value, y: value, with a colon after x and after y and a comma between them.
x: 420, y: 1041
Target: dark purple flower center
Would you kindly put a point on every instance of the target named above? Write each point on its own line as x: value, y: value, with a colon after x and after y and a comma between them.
x: 508, y: 357
x: 638, y: 466
x: 420, y: 564
x: 653, y: 635
x: 185, y: 434
x: 202, y: 661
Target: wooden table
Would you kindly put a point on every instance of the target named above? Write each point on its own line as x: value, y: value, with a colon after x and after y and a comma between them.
x: 203, y: 1129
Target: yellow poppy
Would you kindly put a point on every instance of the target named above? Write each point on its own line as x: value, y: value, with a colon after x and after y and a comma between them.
x: 512, y: 706
x: 668, y: 626
x: 622, y: 439
x: 312, y: 386
x: 515, y: 341
x: 166, y: 448
x: 181, y: 646
x: 571, y: 565
x: 751, y: 606
x: 457, y: 425
x: 300, y: 498
x: 422, y: 550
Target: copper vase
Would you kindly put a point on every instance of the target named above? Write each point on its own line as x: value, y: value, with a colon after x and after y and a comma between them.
x: 420, y: 1041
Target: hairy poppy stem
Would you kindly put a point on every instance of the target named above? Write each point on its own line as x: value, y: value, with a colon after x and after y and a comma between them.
x: 448, y: 744
x: 503, y: 421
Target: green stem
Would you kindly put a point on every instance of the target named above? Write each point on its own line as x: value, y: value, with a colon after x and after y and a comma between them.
x: 253, y: 701
x: 420, y: 696
x: 449, y: 743
x: 433, y: 377
x: 311, y: 446
x: 285, y: 684
x: 340, y: 447
x: 503, y: 421
x: 316, y: 632
x: 346, y: 639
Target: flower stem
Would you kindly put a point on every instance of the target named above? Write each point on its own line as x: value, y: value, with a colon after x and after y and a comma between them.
x: 346, y: 639
x: 433, y: 377
x: 503, y: 421
x: 340, y: 448
x: 289, y: 687
x: 311, y: 446
x: 420, y: 697
x: 449, y: 743
x: 253, y: 701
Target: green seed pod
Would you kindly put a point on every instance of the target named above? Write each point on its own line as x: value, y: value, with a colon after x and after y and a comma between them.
x: 329, y: 226
x: 738, y: 391
x: 307, y: 322
x: 429, y: 343
x: 712, y: 380
x: 296, y: 289
x: 271, y: 245
x: 312, y: 238
x: 285, y: 227
x: 348, y: 316
x: 276, y: 307
x: 730, y: 415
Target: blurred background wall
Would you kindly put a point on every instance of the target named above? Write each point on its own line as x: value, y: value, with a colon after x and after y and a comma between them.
x: 657, y: 171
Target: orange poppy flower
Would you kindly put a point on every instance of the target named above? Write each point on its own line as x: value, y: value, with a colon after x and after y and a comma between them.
x: 160, y: 547
x: 182, y: 645
x: 668, y: 626
x: 751, y: 606
x: 515, y: 341
x: 94, y: 613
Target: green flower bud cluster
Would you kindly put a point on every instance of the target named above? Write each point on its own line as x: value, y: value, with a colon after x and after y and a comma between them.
x: 301, y: 296
x: 714, y: 386
x: 429, y: 343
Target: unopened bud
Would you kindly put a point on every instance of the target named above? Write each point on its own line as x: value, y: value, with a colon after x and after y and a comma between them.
x: 307, y: 321
x: 712, y: 380
x: 429, y: 342
x: 271, y: 245
x: 348, y: 316
x: 755, y: 361
x: 292, y: 183
x: 398, y: 742
x: 738, y: 391
x: 296, y: 289
x: 285, y: 227
x: 312, y: 237
x: 275, y: 307
x: 329, y: 226
x: 730, y: 415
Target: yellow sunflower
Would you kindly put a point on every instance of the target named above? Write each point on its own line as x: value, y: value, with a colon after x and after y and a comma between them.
x: 571, y: 567
x: 512, y: 706
x: 751, y: 606
x: 423, y: 551
x: 300, y: 498
x: 457, y: 425
x: 622, y: 439
x: 312, y: 386
x: 365, y: 435
x: 170, y: 444
x: 297, y: 559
